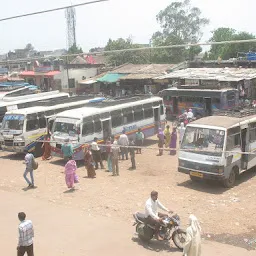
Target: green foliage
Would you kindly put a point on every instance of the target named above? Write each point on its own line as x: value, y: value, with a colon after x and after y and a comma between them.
x: 74, y: 49
x: 119, y: 58
x: 227, y: 51
x: 181, y: 24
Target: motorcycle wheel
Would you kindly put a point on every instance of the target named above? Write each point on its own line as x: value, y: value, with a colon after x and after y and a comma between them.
x: 145, y: 234
x: 179, y: 238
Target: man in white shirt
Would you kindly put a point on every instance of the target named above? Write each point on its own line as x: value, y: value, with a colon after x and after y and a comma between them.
x: 190, y: 114
x: 151, y: 211
x: 26, y: 235
x: 124, y: 142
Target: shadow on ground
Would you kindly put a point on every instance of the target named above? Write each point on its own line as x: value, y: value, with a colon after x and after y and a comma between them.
x: 216, y: 187
x: 245, y: 240
x: 14, y: 156
x: 156, y: 246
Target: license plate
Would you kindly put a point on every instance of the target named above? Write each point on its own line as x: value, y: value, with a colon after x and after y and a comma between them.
x: 196, y: 174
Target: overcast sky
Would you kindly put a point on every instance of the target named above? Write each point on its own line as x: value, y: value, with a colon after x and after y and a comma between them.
x: 113, y: 19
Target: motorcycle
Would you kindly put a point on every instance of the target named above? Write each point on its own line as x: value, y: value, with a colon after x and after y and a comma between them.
x: 169, y: 229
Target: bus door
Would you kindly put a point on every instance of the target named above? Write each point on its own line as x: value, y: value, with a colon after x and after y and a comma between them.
x: 244, y: 146
x: 106, y: 128
x: 208, y: 106
x: 157, y: 118
x: 175, y: 105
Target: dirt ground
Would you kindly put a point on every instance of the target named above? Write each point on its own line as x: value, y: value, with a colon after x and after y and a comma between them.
x: 226, y: 215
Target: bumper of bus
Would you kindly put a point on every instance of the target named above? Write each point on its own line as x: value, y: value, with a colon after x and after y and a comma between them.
x: 16, y: 149
x: 202, y: 174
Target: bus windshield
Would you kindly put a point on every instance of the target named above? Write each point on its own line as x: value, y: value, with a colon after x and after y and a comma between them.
x: 207, y: 141
x: 65, y: 128
x: 13, y: 122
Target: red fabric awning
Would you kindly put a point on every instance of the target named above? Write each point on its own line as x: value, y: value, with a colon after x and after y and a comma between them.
x: 33, y: 73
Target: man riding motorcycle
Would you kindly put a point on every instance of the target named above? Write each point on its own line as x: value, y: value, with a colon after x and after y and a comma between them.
x: 153, y: 216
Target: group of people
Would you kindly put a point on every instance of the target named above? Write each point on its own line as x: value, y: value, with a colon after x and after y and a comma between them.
x: 169, y: 138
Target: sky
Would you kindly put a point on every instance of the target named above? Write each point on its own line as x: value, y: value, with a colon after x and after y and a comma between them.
x: 113, y: 19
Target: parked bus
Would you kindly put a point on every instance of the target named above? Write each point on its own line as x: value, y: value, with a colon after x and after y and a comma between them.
x: 82, y: 125
x: 212, y: 148
x: 27, y: 101
x: 22, y: 128
x: 202, y: 102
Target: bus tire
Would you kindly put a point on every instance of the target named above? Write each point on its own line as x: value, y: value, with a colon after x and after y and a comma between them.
x: 231, y: 180
x: 38, y: 150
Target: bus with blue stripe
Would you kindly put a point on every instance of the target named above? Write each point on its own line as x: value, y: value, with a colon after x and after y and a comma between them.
x: 108, y: 118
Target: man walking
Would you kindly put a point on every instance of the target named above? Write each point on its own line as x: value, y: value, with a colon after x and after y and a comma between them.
x: 132, y: 154
x: 29, y: 158
x: 124, y: 142
x: 26, y: 235
x: 115, y: 155
x: 96, y: 154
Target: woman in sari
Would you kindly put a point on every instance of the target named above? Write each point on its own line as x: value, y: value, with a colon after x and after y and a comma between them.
x: 89, y: 163
x: 167, y: 134
x: 193, y: 239
x: 47, y: 148
x: 70, y: 173
x: 173, y: 142
x: 160, y: 136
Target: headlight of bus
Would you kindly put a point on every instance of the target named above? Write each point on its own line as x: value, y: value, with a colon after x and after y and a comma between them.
x: 19, y: 141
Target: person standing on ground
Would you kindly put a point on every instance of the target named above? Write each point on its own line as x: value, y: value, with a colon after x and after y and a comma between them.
x: 160, y: 136
x: 167, y: 134
x: 29, y: 158
x: 26, y: 235
x: 47, y: 148
x: 96, y: 154
x: 89, y: 163
x: 139, y: 138
x: 70, y: 173
x: 67, y: 150
x: 124, y: 142
x: 173, y: 143
x: 181, y: 131
x: 109, y: 154
x: 115, y: 155
x: 132, y: 154
x: 193, y: 239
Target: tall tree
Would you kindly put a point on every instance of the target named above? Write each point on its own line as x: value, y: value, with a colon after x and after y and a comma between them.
x: 181, y: 24
x: 74, y: 49
x: 227, y: 51
x: 119, y: 58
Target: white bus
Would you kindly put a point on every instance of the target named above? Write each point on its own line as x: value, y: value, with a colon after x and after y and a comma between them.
x: 27, y: 101
x: 22, y: 128
x: 80, y: 126
x: 212, y: 148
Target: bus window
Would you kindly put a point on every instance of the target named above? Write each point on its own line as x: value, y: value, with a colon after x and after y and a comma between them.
x: 41, y: 120
x: 233, y: 138
x: 116, y: 121
x: 138, y: 115
x: 3, y: 110
x: 32, y: 123
x: 161, y: 110
x: 128, y: 115
x: 252, y: 132
x: 88, y: 128
x: 97, y: 126
x: 148, y: 113
x: 216, y: 100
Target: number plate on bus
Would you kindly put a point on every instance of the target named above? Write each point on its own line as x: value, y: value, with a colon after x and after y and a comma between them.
x: 196, y: 174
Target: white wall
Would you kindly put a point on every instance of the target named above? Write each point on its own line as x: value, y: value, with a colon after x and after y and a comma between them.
x: 76, y: 74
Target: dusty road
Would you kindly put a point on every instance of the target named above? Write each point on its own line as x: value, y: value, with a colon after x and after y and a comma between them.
x: 226, y: 215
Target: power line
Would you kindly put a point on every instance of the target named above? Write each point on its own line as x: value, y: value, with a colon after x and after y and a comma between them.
x: 51, y: 10
x: 134, y: 49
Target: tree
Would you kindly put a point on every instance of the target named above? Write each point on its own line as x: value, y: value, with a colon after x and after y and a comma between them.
x: 119, y: 58
x: 74, y: 49
x: 29, y: 47
x: 227, y: 51
x: 181, y: 24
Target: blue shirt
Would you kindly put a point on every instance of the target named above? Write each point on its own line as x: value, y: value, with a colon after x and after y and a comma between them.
x: 67, y: 150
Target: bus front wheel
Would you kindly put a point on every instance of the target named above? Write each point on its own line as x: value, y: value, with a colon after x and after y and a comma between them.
x: 231, y: 180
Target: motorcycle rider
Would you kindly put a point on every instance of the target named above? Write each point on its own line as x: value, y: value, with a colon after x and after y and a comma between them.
x: 154, y: 217
x: 190, y: 115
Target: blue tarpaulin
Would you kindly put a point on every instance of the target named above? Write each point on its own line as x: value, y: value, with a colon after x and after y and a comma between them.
x: 111, y: 78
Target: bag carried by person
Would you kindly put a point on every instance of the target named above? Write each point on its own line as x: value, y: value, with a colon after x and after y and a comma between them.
x: 34, y: 164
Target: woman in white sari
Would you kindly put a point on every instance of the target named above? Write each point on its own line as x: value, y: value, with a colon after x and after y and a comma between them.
x: 193, y: 239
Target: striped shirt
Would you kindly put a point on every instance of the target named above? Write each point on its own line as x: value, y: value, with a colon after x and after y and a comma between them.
x: 26, y: 233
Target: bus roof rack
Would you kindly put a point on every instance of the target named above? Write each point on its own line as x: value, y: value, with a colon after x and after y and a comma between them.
x: 239, y: 113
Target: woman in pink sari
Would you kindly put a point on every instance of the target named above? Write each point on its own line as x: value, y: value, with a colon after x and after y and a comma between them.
x: 70, y: 172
